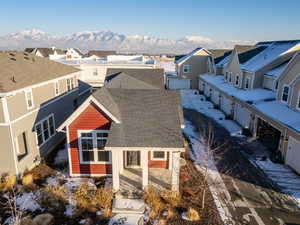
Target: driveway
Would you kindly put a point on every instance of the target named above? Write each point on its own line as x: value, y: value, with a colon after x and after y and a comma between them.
x: 252, y: 199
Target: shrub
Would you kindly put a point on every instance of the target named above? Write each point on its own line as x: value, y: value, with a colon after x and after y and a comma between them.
x: 192, y: 214
x: 103, y: 199
x: 7, y: 182
x: 27, y: 179
x: 83, y: 197
x: 152, y: 198
x: 171, y: 197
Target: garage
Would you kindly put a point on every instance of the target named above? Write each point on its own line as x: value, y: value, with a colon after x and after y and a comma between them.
x: 175, y: 83
x: 201, y: 86
x: 293, y: 154
x: 207, y: 91
x: 226, y: 105
x: 242, y: 116
x: 268, y: 135
x: 215, y: 98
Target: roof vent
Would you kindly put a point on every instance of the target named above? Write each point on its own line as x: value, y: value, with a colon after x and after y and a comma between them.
x: 12, y: 54
x: 13, y: 59
x: 26, y: 58
x: 13, y: 79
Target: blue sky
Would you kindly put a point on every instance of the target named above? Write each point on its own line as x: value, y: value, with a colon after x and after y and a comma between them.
x: 216, y: 19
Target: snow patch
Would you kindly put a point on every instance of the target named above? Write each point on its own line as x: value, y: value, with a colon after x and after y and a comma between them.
x: 28, y: 201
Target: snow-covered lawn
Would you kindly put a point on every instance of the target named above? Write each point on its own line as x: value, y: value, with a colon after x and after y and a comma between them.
x: 281, y: 175
x: 192, y: 100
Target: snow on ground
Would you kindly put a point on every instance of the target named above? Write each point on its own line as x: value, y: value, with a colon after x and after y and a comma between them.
x: 28, y: 201
x: 281, y: 175
x: 130, y: 219
x: 192, y: 100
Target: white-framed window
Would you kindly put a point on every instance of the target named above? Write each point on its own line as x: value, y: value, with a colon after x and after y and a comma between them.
x: 29, y: 99
x: 237, y: 80
x: 45, y: 129
x: 247, y: 83
x: 230, y: 77
x: 276, y: 85
x: 186, y: 68
x: 21, y: 145
x: 95, y: 72
x: 91, y: 146
x: 226, y: 75
x: 56, y: 88
x: 285, y: 93
x: 298, y: 101
x: 158, y: 155
x: 70, y: 83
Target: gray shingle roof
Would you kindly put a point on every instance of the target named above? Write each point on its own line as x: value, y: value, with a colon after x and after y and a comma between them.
x: 219, y: 54
x: 100, y: 53
x: 20, y: 69
x: 149, y: 118
x: 135, y: 78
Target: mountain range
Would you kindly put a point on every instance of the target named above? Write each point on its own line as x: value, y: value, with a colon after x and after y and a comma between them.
x: 108, y: 40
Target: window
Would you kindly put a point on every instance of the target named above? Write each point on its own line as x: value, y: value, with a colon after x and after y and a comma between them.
x: 276, y: 85
x: 21, y: 146
x: 45, y: 129
x: 226, y: 76
x: 186, y: 68
x: 95, y: 72
x: 285, y: 93
x: 29, y: 99
x: 56, y: 87
x: 230, y: 77
x: 237, y: 80
x: 158, y: 155
x: 92, y: 145
x: 247, y: 84
x: 70, y: 84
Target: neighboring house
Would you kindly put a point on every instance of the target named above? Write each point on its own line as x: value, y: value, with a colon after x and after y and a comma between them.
x: 57, y: 54
x: 100, y: 54
x: 251, y: 89
x: 135, y: 78
x: 33, y: 91
x: 51, y: 53
x: 199, y: 61
x: 132, y: 135
x: 73, y: 54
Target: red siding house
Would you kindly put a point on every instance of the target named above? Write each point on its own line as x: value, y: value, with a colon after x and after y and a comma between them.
x: 128, y: 135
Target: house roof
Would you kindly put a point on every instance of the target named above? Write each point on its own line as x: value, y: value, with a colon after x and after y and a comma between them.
x: 78, y: 51
x: 219, y: 54
x: 20, y: 69
x: 149, y: 118
x: 135, y: 78
x: 100, y: 53
x: 184, y: 58
x: 276, y: 71
x: 45, y: 52
x: 29, y: 50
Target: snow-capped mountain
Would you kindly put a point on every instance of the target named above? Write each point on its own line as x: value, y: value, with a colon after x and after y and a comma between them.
x: 108, y: 40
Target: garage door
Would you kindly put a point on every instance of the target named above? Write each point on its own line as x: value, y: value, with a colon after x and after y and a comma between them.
x: 242, y: 116
x: 226, y: 105
x: 215, y: 97
x: 207, y: 90
x: 177, y: 84
x: 293, y: 154
x: 201, y: 85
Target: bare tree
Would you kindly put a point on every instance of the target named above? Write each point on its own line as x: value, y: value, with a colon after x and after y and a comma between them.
x: 12, y: 208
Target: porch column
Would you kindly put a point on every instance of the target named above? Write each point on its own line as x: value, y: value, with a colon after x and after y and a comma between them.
x: 170, y: 160
x: 115, y: 170
x: 175, y: 171
x: 144, y: 162
x: 121, y: 161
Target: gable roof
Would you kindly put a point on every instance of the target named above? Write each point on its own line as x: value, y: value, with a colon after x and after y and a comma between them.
x: 45, y: 52
x: 100, y: 53
x: 186, y: 57
x: 149, y: 118
x: 135, y: 78
x: 20, y: 69
x: 219, y: 54
x: 29, y: 50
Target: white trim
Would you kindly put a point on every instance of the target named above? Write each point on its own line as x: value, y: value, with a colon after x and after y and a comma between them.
x: 69, y: 151
x: 90, y: 174
x: 31, y: 98
x: 288, y: 94
x: 159, y: 159
x: 37, y: 85
x: 14, y: 149
x: 94, y: 150
x: 188, y: 68
x: 249, y: 83
x: 298, y: 101
x: 133, y: 166
x: 41, y: 122
x: 81, y: 108
x: 145, y: 149
x: 5, y: 110
x: 56, y: 88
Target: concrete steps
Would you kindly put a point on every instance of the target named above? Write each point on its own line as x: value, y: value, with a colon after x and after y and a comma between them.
x: 128, y: 206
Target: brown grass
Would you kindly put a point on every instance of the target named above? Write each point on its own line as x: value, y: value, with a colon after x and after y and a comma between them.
x: 27, y: 179
x: 152, y: 198
x: 192, y: 214
x: 83, y: 197
x: 7, y: 182
x: 171, y: 197
x: 103, y: 199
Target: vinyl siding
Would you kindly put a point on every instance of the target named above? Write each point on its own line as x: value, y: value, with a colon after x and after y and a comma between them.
x: 7, y: 163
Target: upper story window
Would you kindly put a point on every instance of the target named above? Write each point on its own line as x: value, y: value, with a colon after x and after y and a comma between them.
x: 70, y: 83
x: 230, y: 77
x: 276, y: 85
x: 45, y: 129
x: 237, y: 80
x: 186, y: 68
x: 56, y: 88
x: 247, y: 84
x: 226, y: 76
x: 285, y: 93
x: 91, y: 145
x: 29, y: 99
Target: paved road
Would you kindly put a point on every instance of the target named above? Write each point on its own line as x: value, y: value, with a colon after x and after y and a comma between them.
x: 252, y: 199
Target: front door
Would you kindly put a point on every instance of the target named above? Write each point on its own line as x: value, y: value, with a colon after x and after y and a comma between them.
x: 133, y: 159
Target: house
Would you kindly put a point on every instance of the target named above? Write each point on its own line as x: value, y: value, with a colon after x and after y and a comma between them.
x: 258, y: 89
x: 32, y: 92
x: 127, y: 133
x: 100, y: 54
x: 51, y: 53
x: 198, y: 61
x: 73, y: 54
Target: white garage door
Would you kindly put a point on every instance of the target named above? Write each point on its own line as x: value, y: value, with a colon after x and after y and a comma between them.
x: 242, y: 116
x: 177, y: 84
x: 215, y: 97
x: 226, y: 105
x: 207, y: 90
x: 293, y: 154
